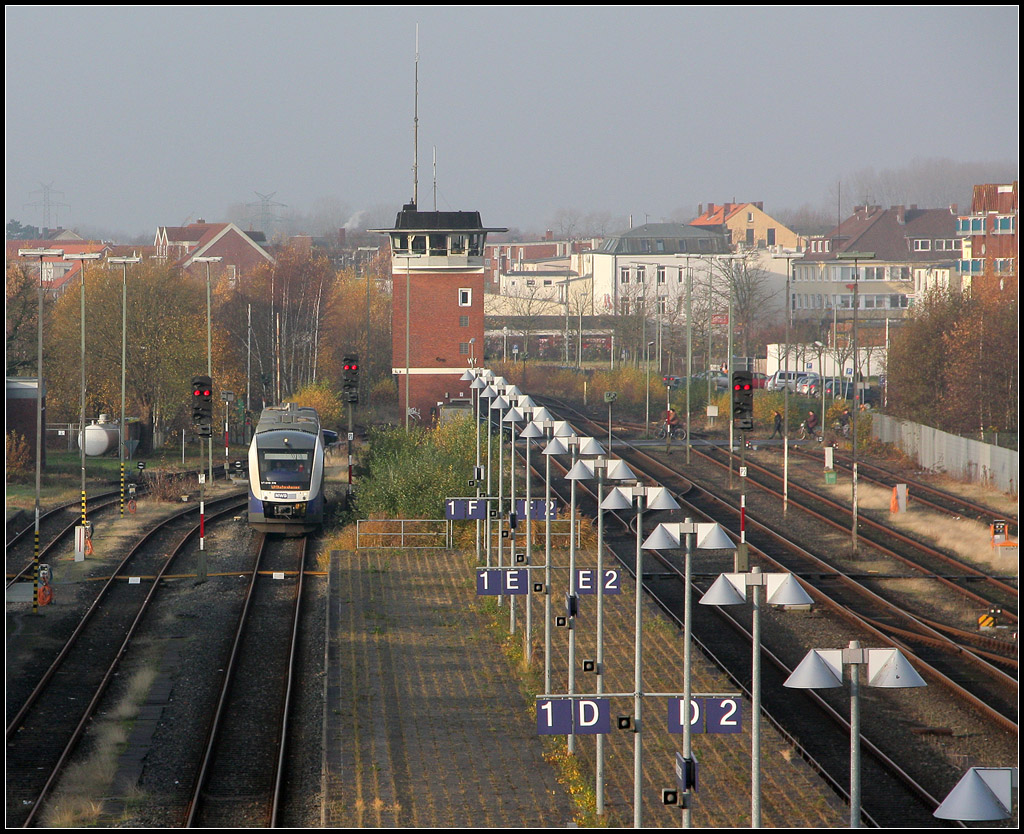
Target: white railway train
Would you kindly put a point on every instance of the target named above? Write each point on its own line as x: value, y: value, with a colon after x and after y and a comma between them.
x: 286, y: 471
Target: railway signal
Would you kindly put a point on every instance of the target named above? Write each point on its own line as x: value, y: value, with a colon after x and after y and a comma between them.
x: 743, y: 400
x: 350, y: 378
x: 202, y: 405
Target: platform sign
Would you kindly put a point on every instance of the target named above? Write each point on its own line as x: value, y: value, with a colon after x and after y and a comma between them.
x: 573, y: 716
x: 462, y: 509
x: 497, y: 582
x: 586, y: 581
x: 707, y: 715
x: 537, y: 506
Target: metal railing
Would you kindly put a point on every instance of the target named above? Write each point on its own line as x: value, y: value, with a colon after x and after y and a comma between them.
x: 405, y: 533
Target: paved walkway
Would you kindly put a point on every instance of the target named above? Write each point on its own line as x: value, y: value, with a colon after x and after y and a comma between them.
x: 427, y: 725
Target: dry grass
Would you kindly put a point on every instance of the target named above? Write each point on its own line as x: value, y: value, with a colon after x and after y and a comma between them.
x: 75, y: 804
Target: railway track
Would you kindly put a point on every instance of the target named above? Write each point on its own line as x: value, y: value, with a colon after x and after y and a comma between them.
x: 51, y: 719
x: 665, y: 584
x: 240, y: 779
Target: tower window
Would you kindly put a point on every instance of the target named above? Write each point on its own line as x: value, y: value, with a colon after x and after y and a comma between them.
x: 465, y: 297
x: 463, y: 321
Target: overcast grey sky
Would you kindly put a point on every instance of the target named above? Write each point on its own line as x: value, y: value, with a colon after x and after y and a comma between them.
x: 146, y: 116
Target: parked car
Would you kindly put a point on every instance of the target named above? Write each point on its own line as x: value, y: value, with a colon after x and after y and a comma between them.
x: 804, y: 383
x: 719, y: 379
x: 760, y: 380
x: 781, y: 380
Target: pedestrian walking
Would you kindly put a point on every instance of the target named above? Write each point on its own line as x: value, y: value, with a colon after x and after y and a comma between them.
x: 777, y: 418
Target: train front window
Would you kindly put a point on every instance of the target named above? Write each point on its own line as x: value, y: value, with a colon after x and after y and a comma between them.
x: 285, y: 468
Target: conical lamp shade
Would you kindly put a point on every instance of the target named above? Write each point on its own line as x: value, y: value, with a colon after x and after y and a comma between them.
x: 974, y: 799
x: 789, y: 592
x: 894, y: 673
x: 813, y: 673
x: 617, y: 499
x: 540, y: 414
x: 618, y: 470
x: 713, y: 537
x: 722, y: 592
x: 589, y: 446
x: 555, y: 447
x: 532, y: 431
x: 659, y: 498
x: 662, y: 539
x: 563, y: 429
x: 580, y: 472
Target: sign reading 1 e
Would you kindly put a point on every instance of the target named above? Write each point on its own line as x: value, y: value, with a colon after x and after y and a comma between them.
x: 501, y: 582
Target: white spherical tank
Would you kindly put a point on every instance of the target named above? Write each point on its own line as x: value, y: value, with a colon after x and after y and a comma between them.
x: 100, y: 437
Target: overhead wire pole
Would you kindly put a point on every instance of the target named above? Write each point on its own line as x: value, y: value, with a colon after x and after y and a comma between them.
x: 124, y: 330
x: 41, y: 254
x: 82, y: 257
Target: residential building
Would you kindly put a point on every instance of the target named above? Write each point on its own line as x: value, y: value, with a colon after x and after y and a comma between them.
x: 58, y: 273
x: 747, y: 226
x: 523, y: 256
x: 241, y: 252
x: 903, y: 252
x: 989, y: 233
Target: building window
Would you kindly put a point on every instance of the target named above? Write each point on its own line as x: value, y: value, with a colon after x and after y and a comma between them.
x: 624, y: 275
x: 1003, y: 225
x: 464, y: 348
x: 463, y: 321
x: 641, y: 275
x: 661, y: 275
x: 922, y: 246
x: 874, y: 273
x: 465, y: 297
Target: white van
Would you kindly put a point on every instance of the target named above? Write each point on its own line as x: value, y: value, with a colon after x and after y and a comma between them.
x: 784, y: 379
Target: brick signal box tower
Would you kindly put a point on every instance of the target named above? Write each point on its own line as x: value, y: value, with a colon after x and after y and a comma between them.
x: 437, y: 319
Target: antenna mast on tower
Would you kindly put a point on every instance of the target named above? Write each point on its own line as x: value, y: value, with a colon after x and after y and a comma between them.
x: 416, y: 124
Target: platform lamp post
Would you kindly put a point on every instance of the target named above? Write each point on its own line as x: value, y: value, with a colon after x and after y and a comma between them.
x: 613, y: 469
x: 531, y: 431
x: 673, y: 536
x: 643, y: 498
x: 497, y: 407
x: 209, y: 259
x: 83, y: 257
x: 554, y: 446
x: 471, y: 375
x: 580, y: 470
x: 123, y: 262
x: 983, y: 794
x: 823, y: 669
x: 488, y: 394
x: 647, y: 431
x: 41, y: 254
x: 856, y: 257
x: 512, y: 416
x: 731, y: 589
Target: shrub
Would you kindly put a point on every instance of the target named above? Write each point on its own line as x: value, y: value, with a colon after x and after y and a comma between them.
x: 19, y: 463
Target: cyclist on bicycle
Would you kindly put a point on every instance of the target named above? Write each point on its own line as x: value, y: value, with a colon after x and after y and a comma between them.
x: 671, y: 422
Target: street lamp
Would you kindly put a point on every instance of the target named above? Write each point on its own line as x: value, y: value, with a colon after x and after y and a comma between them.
x: 670, y: 536
x: 209, y: 259
x: 124, y: 261
x: 789, y: 257
x: 41, y: 254
x: 652, y: 498
x: 823, y: 669
x: 83, y: 257
x: 856, y: 257
x: 731, y: 589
